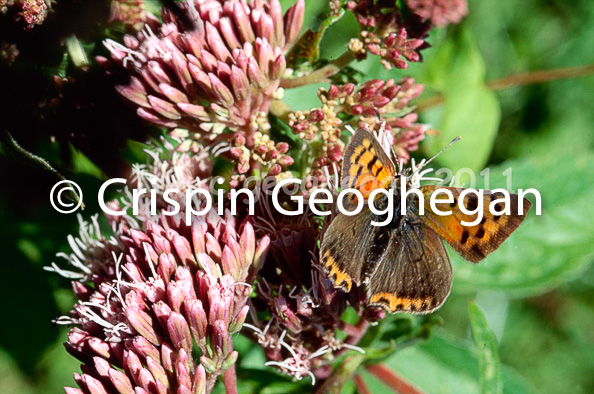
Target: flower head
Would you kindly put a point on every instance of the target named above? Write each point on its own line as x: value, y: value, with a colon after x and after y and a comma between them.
x: 132, y: 13
x: 219, y: 71
x: 8, y: 53
x: 440, y: 12
x: 386, y: 33
x: 149, y: 296
x: 30, y: 12
x: 367, y: 105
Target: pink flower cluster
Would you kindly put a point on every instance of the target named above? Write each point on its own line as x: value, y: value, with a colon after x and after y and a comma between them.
x: 147, y: 296
x: 220, y: 73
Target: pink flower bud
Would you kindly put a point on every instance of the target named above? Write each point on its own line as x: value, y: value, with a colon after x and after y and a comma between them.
x: 286, y: 160
x: 275, y: 170
x: 282, y: 147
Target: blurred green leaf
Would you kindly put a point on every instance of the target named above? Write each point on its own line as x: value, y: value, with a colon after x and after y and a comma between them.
x: 546, y: 250
x: 485, y: 344
x: 445, y: 365
x: 457, y: 70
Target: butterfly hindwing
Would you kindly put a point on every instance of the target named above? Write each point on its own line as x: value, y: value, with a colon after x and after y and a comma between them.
x: 473, y: 243
x: 366, y: 165
x: 414, y: 274
x: 344, y: 251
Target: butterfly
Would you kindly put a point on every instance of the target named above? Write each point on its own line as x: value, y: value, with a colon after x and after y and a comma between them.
x: 405, y: 264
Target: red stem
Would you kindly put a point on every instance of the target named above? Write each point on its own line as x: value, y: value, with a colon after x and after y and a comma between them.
x: 391, y: 379
x: 361, y: 385
x: 354, y: 334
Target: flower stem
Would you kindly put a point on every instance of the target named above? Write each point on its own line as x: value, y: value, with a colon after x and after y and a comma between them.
x: 345, y: 370
x: 539, y: 77
x: 342, y: 374
x: 230, y: 380
x: 354, y: 334
x: 520, y: 79
x: 321, y: 74
x: 357, y: 331
x: 361, y: 385
x: 391, y: 379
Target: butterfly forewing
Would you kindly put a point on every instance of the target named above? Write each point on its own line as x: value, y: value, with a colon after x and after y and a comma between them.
x: 414, y: 274
x: 473, y: 243
x: 366, y: 165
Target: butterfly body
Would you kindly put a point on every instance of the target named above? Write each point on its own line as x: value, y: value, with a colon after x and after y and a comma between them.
x: 404, y: 263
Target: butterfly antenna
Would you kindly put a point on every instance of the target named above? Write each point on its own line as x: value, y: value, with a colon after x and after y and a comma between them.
x: 458, y: 138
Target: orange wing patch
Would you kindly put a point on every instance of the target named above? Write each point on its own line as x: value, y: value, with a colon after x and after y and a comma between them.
x: 473, y: 243
x: 340, y: 278
x: 366, y: 165
x: 401, y: 304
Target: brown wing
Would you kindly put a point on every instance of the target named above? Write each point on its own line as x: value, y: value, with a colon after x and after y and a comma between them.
x: 346, y: 248
x: 414, y: 274
x: 473, y: 243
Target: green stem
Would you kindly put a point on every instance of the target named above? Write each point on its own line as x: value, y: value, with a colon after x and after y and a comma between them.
x: 321, y: 74
x: 342, y: 374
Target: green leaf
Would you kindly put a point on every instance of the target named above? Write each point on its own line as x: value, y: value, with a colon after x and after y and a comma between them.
x: 397, y: 332
x: 471, y: 110
x: 446, y: 365
x: 307, y: 47
x: 547, y: 250
x: 485, y: 344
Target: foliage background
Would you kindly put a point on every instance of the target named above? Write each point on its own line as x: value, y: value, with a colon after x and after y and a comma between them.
x: 537, y: 291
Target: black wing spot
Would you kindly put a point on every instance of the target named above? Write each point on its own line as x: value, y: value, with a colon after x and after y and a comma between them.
x: 379, y: 169
x: 483, y: 220
x: 371, y: 164
x: 497, y: 217
x: 453, y: 204
x: 464, y: 238
x: 472, y: 202
x: 359, y: 171
x: 495, y: 196
x: 359, y: 155
x: 480, y: 233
